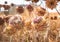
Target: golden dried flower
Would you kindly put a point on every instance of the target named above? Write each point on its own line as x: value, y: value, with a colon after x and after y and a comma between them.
x: 9, y: 31
x: 27, y: 24
x: 16, y: 22
x: 40, y: 26
x: 51, y: 3
x: 42, y: 12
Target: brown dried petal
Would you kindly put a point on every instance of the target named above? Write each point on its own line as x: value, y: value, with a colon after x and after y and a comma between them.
x: 20, y: 9
x: 6, y: 7
x: 55, y: 18
x: 1, y: 21
x: 30, y: 8
x: 12, y: 4
x: 6, y: 19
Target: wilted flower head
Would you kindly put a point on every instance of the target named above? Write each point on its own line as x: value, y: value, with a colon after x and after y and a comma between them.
x: 20, y: 9
x: 6, y: 7
x: 30, y: 8
x: 42, y: 11
x: 51, y: 3
x: 15, y: 20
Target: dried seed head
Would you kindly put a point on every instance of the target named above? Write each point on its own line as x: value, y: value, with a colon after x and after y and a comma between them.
x: 51, y: 3
x: 30, y: 8
x: 20, y: 9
